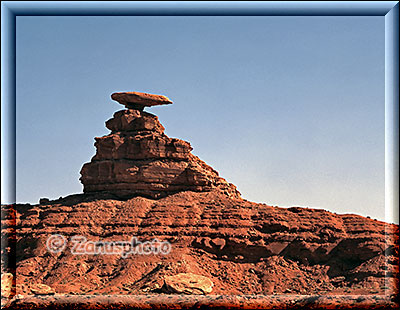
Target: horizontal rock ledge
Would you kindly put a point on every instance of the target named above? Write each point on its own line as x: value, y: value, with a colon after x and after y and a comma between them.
x: 138, y: 100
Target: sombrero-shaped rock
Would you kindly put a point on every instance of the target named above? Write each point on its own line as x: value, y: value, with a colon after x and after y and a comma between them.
x: 137, y: 100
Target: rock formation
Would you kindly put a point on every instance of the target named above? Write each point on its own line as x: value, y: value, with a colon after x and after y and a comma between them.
x: 137, y: 100
x: 220, y: 243
x: 138, y: 159
x: 187, y: 283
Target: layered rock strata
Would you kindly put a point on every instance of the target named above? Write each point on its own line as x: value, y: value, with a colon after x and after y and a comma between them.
x: 240, y: 246
x: 138, y: 159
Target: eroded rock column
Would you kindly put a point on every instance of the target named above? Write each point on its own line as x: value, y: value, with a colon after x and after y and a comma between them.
x: 138, y: 159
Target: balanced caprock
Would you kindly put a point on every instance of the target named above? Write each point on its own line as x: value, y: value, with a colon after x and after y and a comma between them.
x: 138, y: 159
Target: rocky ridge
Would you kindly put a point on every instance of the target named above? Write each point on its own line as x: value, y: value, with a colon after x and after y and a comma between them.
x: 242, y: 247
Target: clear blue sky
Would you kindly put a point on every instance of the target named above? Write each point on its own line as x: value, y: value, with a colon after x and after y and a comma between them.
x: 290, y: 109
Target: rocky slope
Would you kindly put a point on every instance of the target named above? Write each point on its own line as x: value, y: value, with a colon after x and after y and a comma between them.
x: 242, y: 247
x: 144, y: 184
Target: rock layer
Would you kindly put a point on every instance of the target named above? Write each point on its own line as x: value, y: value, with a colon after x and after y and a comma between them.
x: 138, y: 159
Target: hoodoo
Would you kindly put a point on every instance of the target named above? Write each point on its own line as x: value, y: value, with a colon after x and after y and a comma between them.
x: 138, y: 159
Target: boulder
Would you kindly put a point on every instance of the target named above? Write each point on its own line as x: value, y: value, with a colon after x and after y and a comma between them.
x: 187, y: 283
x: 42, y: 289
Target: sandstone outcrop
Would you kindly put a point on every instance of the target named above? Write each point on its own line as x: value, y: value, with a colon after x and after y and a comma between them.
x: 138, y: 159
